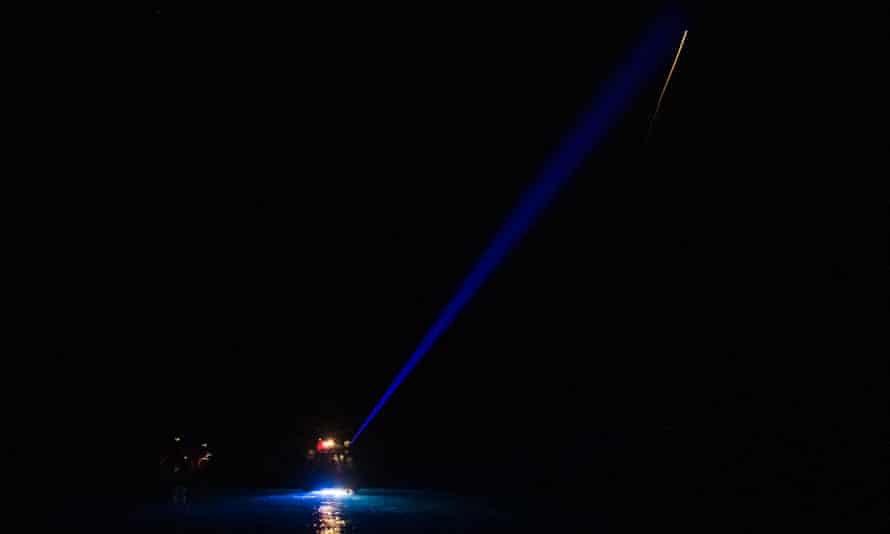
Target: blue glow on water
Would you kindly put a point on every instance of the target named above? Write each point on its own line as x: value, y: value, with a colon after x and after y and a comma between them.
x: 656, y: 45
x: 369, y: 510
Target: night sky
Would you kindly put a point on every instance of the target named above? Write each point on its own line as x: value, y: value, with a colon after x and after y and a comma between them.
x: 242, y: 224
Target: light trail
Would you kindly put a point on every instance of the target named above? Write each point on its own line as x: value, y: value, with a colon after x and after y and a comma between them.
x: 665, y: 86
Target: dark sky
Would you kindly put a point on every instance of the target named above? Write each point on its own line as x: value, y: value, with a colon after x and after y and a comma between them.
x: 240, y: 225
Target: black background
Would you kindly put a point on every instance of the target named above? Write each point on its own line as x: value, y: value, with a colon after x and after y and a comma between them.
x: 238, y: 225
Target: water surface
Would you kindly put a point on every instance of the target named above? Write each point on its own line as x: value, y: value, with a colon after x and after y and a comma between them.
x: 368, y: 511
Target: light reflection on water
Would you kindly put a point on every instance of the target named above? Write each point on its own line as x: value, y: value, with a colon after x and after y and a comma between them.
x: 328, y: 518
x: 368, y: 511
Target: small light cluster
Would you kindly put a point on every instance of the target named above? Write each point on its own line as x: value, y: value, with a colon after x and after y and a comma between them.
x: 333, y: 492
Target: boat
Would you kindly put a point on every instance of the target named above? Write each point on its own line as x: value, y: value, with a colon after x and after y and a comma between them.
x: 330, y: 467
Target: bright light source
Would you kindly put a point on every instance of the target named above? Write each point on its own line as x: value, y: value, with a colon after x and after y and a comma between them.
x: 333, y: 492
x: 176, y: 438
x: 327, y: 444
x: 204, y: 445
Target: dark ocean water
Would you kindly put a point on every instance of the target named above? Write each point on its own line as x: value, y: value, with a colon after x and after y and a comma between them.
x: 368, y: 511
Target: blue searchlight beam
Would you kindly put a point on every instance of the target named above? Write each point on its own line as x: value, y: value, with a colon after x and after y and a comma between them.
x: 592, y: 126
